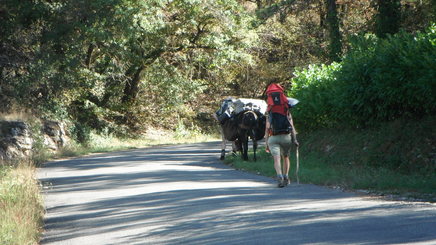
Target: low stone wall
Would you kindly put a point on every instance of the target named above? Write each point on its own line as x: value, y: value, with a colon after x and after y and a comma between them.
x: 55, y: 136
x: 17, y: 141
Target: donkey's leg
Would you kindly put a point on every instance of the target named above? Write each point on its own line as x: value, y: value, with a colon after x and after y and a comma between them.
x: 245, y: 148
x: 253, y: 138
x: 255, y: 148
x: 234, y: 147
x: 238, y: 144
x: 223, y: 147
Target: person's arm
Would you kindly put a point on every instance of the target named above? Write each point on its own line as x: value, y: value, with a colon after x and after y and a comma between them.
x: 294, y: 131
x: 267, y: 126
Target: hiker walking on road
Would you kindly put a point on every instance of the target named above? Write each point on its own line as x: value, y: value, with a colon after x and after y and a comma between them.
x: 280, y: 132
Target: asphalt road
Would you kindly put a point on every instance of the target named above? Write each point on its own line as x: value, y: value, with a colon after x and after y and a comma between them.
x: 184, y: 195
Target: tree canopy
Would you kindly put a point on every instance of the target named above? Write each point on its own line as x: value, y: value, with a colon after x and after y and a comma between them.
x: 121, y: 66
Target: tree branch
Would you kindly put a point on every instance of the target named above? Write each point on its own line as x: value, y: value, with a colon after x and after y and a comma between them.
x: 89, y: 55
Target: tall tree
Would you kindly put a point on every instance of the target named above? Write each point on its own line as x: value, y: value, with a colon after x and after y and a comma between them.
x: 20, y: 32
x: 334, y: 34
x: 388, y: 17
x: 106, y: 61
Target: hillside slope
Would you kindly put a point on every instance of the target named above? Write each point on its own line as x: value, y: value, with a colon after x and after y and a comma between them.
x: 397, y: 157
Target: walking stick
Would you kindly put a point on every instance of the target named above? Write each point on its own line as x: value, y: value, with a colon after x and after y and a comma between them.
x: 298, y: 164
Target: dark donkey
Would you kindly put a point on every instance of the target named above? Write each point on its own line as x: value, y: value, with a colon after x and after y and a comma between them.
x: 251, y: 124
x: 229, y: 130
x: 241, y: 127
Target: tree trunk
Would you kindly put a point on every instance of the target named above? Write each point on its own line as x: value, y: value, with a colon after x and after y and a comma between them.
x: 259, y: 4
x: 89, y: 56
x: 321, y: 14
x: 388, y: 17
x: 334, y: 35
x: 131, y: 88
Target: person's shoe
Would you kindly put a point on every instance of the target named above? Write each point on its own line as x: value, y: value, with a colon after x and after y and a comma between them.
x: 280, y: 183
x: 286, y: 181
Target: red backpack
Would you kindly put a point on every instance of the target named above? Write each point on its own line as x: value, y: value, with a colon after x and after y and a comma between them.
x: 278, y: 110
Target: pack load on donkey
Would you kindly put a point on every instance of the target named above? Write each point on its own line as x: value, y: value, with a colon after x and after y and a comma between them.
x: 241, y: 105
x: 231, y: 107
x: 226, y: 110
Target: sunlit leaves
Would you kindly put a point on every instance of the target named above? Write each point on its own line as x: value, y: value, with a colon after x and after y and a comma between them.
x: 112, y: 53
x: 379, y: 80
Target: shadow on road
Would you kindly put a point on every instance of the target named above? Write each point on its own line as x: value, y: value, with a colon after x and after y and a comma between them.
x: 183, y: 195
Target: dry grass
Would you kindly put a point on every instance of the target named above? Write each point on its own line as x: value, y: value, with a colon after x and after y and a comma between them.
x: 21, y: 205
x: 152, y: 137
x: 22, y: 116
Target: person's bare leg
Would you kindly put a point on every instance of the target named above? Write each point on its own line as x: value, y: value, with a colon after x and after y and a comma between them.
x: 277, y: 165
x: 286, y: 167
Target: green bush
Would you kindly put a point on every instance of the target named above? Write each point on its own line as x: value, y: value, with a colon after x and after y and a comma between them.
x: 315, y: 88
x: 390, y: 78
x: 378, y: 80
x: 82, y: 134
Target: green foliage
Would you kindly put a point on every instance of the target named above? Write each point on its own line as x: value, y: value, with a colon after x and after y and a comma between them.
x: 81, y: 133
x: 390, y: 78
x: 378, y: 80
x: 110, y: 64
x: 403, y: 145
x: 388, y: 17
x: 121, y: 66
x: 280, y: 7
x: 315, y: 88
